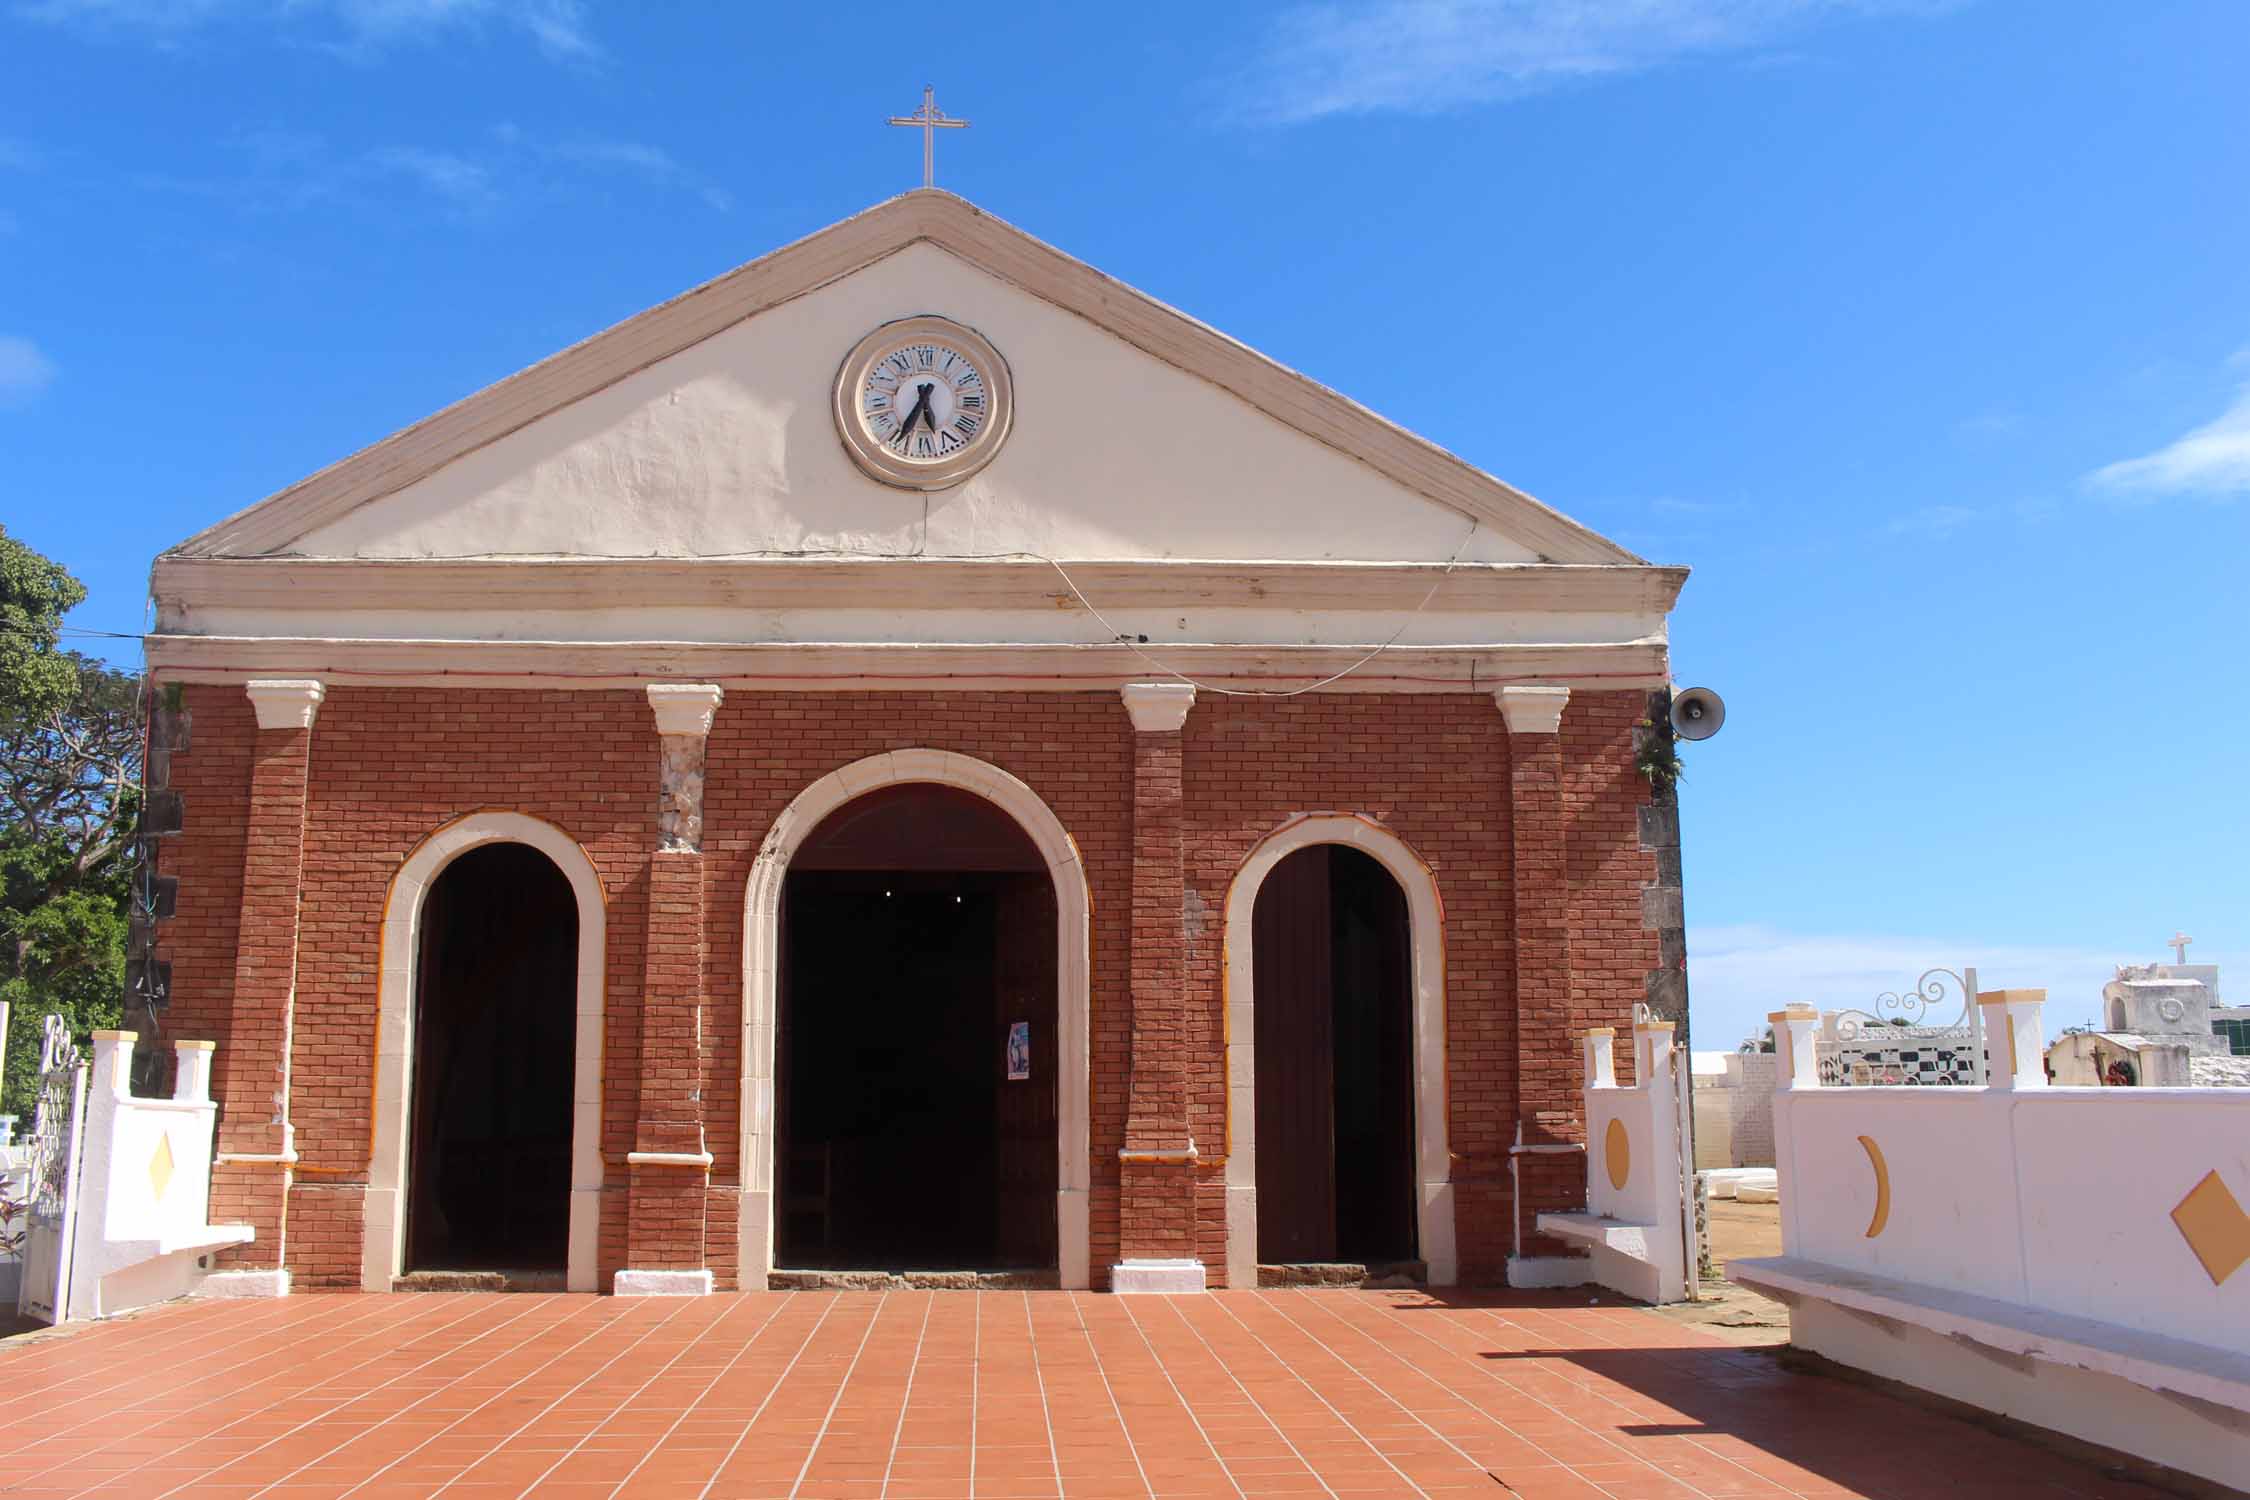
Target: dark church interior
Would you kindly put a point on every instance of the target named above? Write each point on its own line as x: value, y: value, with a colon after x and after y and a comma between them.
x: 495, y: 1010
x: 918, y: 930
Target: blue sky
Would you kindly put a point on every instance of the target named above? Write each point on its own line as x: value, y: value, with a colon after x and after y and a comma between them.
x: 1920, y: 330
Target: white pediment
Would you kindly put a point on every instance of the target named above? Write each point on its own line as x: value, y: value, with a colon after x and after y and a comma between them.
x: 689, y: 433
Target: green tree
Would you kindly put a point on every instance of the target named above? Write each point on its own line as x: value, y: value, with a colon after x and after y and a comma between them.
x: 70, y: 771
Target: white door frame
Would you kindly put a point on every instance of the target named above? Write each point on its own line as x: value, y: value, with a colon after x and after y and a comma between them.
x: 761, y: 978
x: 1426, y: 922
x: 383, y: 1249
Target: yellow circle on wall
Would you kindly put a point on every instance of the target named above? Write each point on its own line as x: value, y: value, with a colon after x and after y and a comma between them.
x: 1617, y: 1154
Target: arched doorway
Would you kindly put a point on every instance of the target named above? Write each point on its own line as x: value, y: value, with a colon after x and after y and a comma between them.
x: 1371, y: 967
x: 916, y: 1055
x: 489, y: 1174
x: 1335, y: 1067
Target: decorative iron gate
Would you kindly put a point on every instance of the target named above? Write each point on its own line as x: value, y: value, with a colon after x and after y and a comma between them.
x: 51, y: 1216
x: 1896, y: 1043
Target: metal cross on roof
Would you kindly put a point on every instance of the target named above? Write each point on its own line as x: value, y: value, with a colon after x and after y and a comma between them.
x: 929, y: 120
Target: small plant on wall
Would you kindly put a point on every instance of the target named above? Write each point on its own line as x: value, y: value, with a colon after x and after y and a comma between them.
x: 1657, y: 755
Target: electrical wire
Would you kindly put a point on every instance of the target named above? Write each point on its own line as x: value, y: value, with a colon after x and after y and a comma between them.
x: 1126, y: 640
x: 1118, y: 637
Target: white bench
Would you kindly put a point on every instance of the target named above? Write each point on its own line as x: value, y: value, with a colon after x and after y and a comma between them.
x: 2173, y: 1367
x: 1624, y: 1256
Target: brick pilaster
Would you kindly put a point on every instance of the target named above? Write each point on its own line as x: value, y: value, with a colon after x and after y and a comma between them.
x: 1547, y: 1071
x: 256, y: 1148
x: 670, y: 1161
x: 1157, y: 1169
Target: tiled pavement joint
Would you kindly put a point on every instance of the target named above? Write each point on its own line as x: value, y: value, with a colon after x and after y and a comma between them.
x: 919, y: 1395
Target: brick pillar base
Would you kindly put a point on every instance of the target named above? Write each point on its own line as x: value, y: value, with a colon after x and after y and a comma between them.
x: 256, y: 1194
x: 665, y: 1231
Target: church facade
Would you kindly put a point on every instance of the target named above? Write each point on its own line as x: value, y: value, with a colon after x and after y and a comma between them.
x: 910, y: 757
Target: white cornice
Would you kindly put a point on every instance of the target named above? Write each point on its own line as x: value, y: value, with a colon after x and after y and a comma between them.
x: 1533, y: 710
x: 184, y: 586
x: 974, y: 236
x: 286, y: 703
x: 815, y: 667
x: 1158, y: 707
x: 685, y: 708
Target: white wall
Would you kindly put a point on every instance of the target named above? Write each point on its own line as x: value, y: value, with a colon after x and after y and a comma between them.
x: 2056, y: 1198
x: 729, y: 447
x: 144, y: 1185
x: 1734, y: 1110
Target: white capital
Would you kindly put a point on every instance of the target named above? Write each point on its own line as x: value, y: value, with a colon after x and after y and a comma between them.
x: 286, y: 702
x: 1158, y: 707
x: 684, y: 707
x: 1532, y: 710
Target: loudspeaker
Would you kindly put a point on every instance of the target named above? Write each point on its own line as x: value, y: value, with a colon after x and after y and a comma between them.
x: 1697, y: 714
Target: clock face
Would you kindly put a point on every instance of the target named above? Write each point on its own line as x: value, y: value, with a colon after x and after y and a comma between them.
x: 925, y: 401
x: 922, y: 403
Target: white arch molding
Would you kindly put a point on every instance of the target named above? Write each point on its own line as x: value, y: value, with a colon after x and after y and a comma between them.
x: 382, y: 1252
x: 761, y: 975
x: 1426, y: 931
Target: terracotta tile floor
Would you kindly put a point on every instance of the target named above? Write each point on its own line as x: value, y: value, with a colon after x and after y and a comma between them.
x: 1348, y: 1395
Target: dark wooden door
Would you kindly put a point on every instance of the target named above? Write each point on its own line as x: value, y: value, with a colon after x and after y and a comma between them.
x: 1024, y: 990
x: 1290, y: 927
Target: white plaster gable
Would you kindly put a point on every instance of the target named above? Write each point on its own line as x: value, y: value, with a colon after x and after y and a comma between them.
x: 728, y: 448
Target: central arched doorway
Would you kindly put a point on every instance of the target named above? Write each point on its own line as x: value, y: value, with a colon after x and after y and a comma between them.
x: 917, y: 1053
x: 495, y: 1005
x: 1335, y: 1062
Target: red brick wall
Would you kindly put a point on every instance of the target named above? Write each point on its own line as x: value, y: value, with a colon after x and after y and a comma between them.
x: 1434, y: 770
x: 1611, y: 955
x: 1074, y: 749
x: 392, y: 765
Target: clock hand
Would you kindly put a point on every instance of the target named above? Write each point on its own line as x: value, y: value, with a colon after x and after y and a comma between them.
x: 920, y: 406
x: 929, y: 413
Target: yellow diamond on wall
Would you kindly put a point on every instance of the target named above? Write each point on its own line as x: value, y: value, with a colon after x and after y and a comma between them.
x: 160, y: 1166
x: 2215, y: 1227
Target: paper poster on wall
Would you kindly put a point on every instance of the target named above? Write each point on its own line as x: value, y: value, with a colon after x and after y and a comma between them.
x: 1019, y: 1051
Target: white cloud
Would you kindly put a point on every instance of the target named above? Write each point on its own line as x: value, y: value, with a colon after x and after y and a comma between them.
x: 24, y: 370
x: 1932, y: 520
x: 1739, y: 975
x: 460, y: 181
x: 651, y: 163
x: 2214, y: 459
x: 557, y: 27
x: 1429, y: 56
x: 280, y: 171
x: 1672, y: 505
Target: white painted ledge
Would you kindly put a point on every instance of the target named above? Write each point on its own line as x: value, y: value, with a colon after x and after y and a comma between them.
x: 1156, y: 1277
x: 243, y: 1284
x: 1532, y: 1272
x: 2157, y: 1361
x: 668, y: 1158
x: 663, y: 1284
x: 1594, y: 1229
